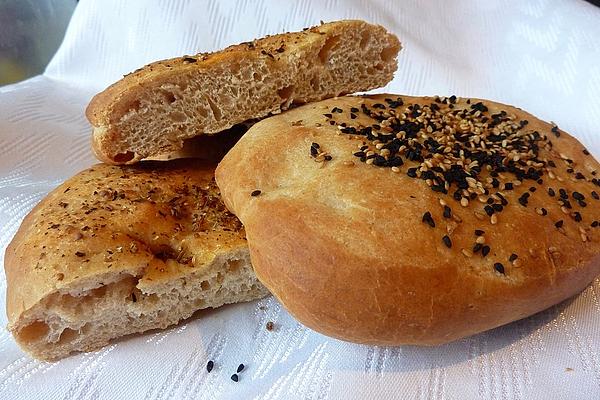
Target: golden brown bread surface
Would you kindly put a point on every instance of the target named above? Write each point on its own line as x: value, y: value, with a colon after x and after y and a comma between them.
x: 157, y: 108
x: 119, y: 250
x: 400, y: 220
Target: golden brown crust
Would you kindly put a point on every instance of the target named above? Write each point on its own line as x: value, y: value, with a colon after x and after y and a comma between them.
x: 280, y: 61
x: 110, y: 220
x: 348, y: 250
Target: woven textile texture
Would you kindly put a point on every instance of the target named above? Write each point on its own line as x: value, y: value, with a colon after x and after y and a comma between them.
x: 540, y: 55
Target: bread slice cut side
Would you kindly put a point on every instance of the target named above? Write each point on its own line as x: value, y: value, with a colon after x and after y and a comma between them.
x: 87, y: 318
x: 121, y: 250
x: 155, y: 109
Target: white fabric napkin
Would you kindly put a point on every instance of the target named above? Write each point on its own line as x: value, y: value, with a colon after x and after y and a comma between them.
x: 541, y: 55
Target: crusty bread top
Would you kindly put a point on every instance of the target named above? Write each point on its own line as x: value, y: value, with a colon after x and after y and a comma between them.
x: 414, y: 220
x: 154, y: 221
x: 154, y: 109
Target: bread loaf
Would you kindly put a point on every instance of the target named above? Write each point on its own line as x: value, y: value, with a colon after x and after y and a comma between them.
x: 395, y: 220
x: 119, y: 250
x: 158, y: 107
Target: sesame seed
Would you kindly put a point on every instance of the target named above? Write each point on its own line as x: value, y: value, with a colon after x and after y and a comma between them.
x: 447, y: 241
x: 464, y: 202
x: 494, y: 219
x: 480, y: 240
x: 467, y: 253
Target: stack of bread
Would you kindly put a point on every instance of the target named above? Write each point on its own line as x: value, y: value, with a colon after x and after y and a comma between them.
x: 381, y: 219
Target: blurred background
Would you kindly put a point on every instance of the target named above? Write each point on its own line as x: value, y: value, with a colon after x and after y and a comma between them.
x: 30, y: 33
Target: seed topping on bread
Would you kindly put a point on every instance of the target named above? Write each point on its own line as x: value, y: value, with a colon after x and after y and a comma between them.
x: 463, y: 150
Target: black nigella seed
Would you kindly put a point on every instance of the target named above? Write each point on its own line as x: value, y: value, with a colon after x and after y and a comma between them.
x: 577, y: 196
x: 563, y: 193
x: 314, y: 151
x: 497, y: 207
x: 352, y: 116
x: 523, y: 200
x: 337, y: 110
x: 579, y: 175
x: 512, y: 257
x: 235, y: 377
x: 328, y: 157
x: 240, y: 368
x: 587, y: 153
x: 189, y: 59
x: 544, y: 211
x: 428, y: 219
x: 479, y: 232
x: 485, y: 250
x: 532, y: 189
x: 412, y: 172
x: 555, y: 131
x: 551, y: 192
x: 210, y: 365
x: 499, y: 267
x: 477, y: 247
x: 489, y: 210
x: 447, y: 212
x: 582, y: 203
x: 508, y: 186
x: 595, y: 195
x: 595, y: 224
x: 328, y: 115
x: 255, y: 193
x: 360, y: 154
x: 577, y: 216
x: 354, y: 109
x: 559, y: 224
x: 447, y: 241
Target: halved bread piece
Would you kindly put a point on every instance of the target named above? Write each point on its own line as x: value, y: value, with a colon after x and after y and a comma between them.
x: 156, y: 108
x: 119, y: 250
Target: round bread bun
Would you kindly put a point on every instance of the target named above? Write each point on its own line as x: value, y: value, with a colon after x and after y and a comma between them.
x: 395, y: 220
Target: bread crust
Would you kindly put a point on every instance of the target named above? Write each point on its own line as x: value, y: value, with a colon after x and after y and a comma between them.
x: 147, y: 230
x: 347, y: 249
x: 281, y: 62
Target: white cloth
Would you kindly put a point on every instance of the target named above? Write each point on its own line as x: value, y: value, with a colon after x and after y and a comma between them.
x: 541, y: 55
